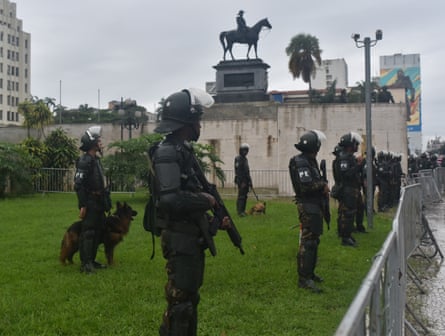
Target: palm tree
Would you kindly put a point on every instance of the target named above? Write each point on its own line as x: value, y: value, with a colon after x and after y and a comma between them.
x: 304, y: 52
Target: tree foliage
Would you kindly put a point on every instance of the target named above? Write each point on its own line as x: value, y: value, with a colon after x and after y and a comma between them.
x: 208, y: 160
x: 129, y: 164
x: 37, y: 114
x: 62, y: 150
x: 304, y: 53
x: 15, y: 169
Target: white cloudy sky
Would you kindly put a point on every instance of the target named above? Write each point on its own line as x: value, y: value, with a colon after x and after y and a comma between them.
x: 146, y: 49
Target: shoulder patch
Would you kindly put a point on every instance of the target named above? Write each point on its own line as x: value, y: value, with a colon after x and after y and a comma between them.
x: 344, y: 165
x: 304, y: 174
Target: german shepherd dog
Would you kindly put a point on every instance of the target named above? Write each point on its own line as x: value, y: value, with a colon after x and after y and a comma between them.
x: 117, y: 226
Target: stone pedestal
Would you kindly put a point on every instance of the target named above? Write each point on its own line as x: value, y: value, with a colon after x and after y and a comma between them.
x: 241, y: 81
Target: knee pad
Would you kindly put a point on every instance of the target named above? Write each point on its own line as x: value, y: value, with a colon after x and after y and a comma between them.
x: 89, y: 234
x: 311, y: 244
x: 182, y: 312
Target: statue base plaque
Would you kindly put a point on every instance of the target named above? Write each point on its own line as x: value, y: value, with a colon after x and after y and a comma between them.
x: 241, y: 81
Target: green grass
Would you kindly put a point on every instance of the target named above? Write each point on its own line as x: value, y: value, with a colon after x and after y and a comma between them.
x: 254, y: 294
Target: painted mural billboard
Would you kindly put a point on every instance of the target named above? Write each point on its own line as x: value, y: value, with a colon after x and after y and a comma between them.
x: 404, y: 84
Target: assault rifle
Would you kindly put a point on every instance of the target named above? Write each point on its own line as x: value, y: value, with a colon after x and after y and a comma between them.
x: 220, y: 210
x: 325, y: 202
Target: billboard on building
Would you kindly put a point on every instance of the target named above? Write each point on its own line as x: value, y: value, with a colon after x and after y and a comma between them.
x: 404, y: 84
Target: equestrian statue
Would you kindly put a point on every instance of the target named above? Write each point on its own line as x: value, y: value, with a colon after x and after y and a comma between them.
x: 243, y: 35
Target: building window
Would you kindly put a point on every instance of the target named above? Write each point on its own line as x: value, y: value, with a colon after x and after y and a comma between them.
x: 1, y: 114
x: 26, y: 88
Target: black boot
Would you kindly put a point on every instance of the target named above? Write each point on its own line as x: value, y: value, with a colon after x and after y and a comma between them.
x: 86, y: 249
x: 307, y: 259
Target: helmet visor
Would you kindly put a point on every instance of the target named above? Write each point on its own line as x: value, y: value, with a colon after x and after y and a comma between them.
x: 320, y: 135
x: 94, y: 132
x: 356, y: 137
x: 200, y: 97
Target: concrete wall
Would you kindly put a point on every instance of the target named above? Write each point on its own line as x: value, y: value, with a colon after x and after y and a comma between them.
x: 271, y: 129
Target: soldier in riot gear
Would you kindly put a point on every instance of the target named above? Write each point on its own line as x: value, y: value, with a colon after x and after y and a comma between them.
x: 181, y: 209
x: 384, y: 181
x: 347, y: 170
x: 412, y: 165
x: 365, y: 180
x: 396, y: 177
x: 433, y: 161
x: 92, y: 198
x: 424, y: 161
x: 310, y: 189
x: 242, y: 178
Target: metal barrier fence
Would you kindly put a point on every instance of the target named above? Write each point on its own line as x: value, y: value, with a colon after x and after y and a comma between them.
x: 62, y: 180
x: 267, y: 183
x: 379, y: 306
x: 54, y: 180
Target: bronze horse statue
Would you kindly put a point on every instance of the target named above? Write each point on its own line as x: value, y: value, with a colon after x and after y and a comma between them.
x: 250, y: 37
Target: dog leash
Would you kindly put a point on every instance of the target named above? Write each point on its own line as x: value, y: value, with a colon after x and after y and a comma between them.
x: 253, y: 190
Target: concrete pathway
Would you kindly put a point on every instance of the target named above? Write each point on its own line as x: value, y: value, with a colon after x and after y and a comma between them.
x: 429, y: 307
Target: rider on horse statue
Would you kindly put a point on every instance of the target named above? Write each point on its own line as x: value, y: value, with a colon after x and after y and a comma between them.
x: 243, y: 34
x: 241, y: 23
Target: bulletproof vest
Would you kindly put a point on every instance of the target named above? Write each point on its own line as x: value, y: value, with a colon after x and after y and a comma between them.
x: 173, y: 168
x: 302, y: 174
x: 89, y: 173
x: 242, y: 170
x: 347, y: 170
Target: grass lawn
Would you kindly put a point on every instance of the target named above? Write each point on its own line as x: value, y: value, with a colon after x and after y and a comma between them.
x: 255, y: 294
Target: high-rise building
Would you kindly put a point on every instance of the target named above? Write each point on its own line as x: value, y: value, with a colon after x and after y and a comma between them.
x: 15, y: 64
x: 331, y: 70
x: 401, y: 75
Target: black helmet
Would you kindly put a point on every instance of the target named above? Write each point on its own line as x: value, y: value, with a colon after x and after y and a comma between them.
x: 182, y: 108
x: 310, y: 142
x: 372, y: 152
x: 90, y: 138
x: 350, y: 139
x: 337, y: 150
x: 244, y: 148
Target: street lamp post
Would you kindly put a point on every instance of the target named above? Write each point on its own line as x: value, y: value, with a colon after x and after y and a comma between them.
x: 367, y: 43
x: 129, y: 121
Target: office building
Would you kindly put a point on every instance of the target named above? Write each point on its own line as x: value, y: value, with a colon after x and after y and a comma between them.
x: 15, y: 64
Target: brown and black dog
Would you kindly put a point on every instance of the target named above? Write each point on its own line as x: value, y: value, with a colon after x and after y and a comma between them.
x: 117, y: 226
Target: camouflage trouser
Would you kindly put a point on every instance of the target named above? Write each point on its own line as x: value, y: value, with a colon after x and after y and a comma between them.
x: 185, y: 271
x: 347, y: 211
x: 243, y: 190
x: 311, y: 226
